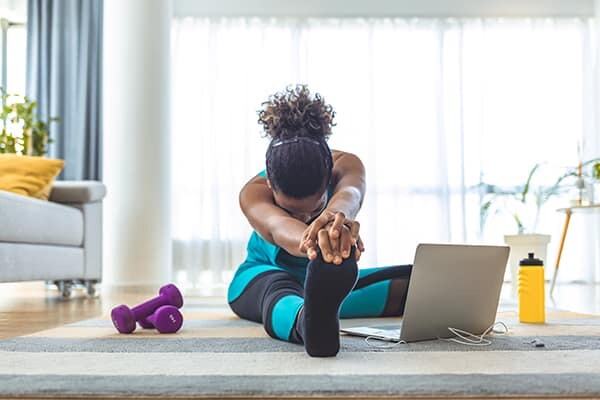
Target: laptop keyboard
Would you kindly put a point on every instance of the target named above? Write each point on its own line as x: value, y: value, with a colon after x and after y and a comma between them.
x: 387, y: 330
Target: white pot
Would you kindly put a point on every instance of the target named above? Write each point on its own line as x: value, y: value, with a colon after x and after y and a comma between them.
x: 595, y: 193
x: 520, y: 246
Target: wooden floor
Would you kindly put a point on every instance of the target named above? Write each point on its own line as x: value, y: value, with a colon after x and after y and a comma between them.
x: 29, y: 307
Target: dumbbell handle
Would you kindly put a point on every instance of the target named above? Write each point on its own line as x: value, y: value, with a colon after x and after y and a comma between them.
x: 148, y: 307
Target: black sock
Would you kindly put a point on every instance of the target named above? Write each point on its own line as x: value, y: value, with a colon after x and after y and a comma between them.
x: 325, y: 288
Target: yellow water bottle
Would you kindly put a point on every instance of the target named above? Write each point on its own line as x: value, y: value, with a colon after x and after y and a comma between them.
x: 531, y: 290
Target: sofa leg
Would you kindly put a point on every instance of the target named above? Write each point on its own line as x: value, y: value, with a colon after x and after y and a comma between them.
x: 91, y: 287
x: 65, y: 288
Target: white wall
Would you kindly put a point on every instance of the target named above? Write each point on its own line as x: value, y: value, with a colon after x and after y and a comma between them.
x: 388, y: 8
x: 136, y: 163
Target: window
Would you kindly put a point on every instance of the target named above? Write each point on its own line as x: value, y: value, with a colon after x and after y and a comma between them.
x: 14, y: 46
x: 430, y: 105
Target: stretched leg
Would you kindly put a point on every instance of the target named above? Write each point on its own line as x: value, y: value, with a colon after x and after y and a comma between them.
x: 379, y: 292
x: 325, y: 288
x: 269, y: 295
x: 274, y: 297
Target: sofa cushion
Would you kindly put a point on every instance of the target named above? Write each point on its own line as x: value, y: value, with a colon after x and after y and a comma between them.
x: 30, y: 262
x: 27, y: 220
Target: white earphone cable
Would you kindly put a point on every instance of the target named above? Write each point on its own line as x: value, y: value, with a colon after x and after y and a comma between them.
x: 470, y: 339
x: 386, y: 346
x: 462, y: 337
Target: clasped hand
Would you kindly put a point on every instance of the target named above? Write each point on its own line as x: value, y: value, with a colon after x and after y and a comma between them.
x: 334, y: 234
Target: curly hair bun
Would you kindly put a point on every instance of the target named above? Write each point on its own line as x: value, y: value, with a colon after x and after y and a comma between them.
x: 295, y: 111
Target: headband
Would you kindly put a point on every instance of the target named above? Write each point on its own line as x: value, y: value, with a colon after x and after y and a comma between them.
x: 296, y: 139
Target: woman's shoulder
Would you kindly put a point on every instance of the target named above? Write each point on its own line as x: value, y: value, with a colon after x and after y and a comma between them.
x: 338, y: 154
x: 345, y: 163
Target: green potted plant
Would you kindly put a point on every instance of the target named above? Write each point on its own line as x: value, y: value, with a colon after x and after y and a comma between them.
x: 22, y: 133
x: 523, y: 203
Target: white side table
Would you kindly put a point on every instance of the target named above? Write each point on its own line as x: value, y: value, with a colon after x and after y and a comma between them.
x: 568, y: 211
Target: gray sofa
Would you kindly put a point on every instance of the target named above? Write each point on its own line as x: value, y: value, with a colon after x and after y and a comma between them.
x: 57, y: 241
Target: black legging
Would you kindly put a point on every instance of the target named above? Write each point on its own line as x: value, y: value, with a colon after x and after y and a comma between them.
x: 379, y: 292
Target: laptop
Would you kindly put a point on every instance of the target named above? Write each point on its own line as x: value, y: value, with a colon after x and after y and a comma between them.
x: 450, y: 285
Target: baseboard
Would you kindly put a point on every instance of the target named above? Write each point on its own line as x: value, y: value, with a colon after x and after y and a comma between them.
x: 133, y: 287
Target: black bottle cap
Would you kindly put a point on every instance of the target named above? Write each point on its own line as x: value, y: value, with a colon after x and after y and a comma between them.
x: 531, y: 260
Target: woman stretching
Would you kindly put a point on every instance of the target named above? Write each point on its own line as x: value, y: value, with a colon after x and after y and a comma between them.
x: 300, y: 275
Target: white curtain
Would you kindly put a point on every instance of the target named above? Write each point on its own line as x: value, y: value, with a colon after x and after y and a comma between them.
x: 430, y: 105
x: 591, y: 148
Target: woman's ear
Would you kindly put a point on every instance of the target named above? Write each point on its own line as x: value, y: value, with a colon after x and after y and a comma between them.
x: 269, y: 184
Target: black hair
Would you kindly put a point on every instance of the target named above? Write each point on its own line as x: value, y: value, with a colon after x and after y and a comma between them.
x: 299, y: 161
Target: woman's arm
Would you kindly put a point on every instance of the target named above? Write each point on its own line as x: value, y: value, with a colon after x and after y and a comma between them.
x: 270, y: 221
x: 348, y: 178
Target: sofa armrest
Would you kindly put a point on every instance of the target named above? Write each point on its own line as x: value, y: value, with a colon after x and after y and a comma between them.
x: 77, y: 191
x: 86, y: 196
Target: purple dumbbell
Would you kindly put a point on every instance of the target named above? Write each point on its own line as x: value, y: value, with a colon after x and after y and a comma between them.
x: 124, y: 318
x: 166, y: 319
x: 145, y: 324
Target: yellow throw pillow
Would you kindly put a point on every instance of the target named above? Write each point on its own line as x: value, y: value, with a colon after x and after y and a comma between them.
x: 28, y: 176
